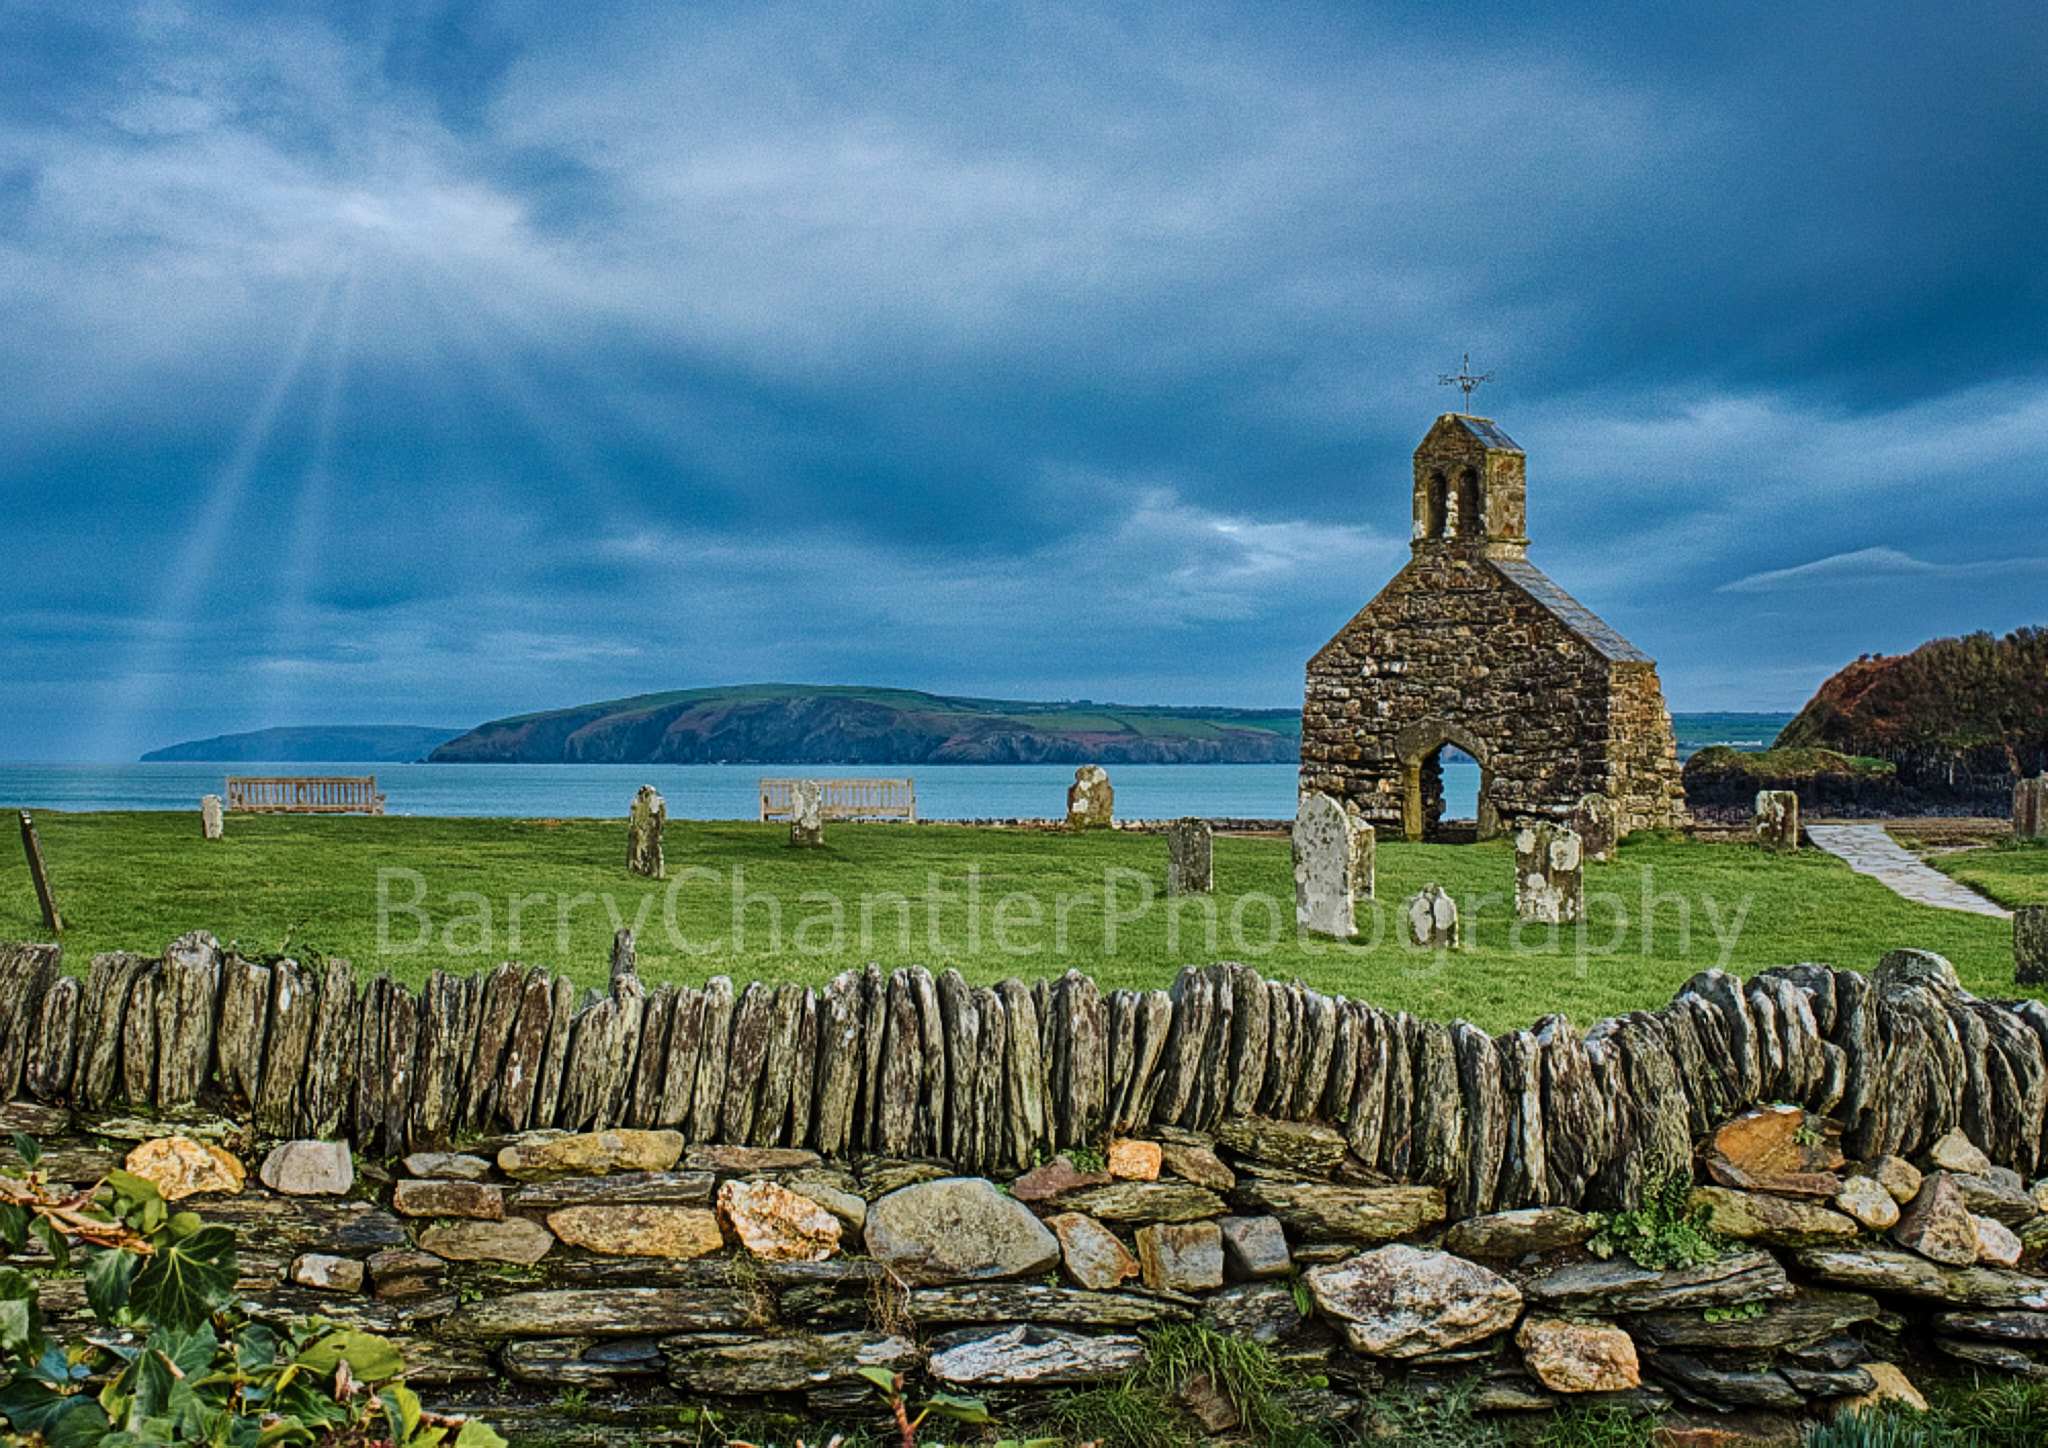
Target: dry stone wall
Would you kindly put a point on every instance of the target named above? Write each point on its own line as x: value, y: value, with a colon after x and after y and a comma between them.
x: 693, y: 1195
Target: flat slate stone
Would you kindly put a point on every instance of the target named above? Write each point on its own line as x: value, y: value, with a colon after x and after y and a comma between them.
x: 1142, y: 1202
x: 1885, y: 1269
x: 1259, y: 1311
x: 1773, y: 1221
x: 1030, y: 1356
x: 1300, y: 1146
x: 603, y: 1312
x: 591, y: 1153
x: 1621, y: 1286
x: 677, y: 1188
x: 1093, y: 1255
x: 1519, y: 1233
x: 1062, y: 1306
x: 1255, y: 1247
x: 2004, y: 1326
x: 1731, y: 1387
x: 448, y: 1166
x: 516, y: 1239
x: 640, y: 1230
x: 1345, y: 1214
x: 1807, y: 1314
x: 413, y: 1197
x: 786, y: 1364
x: 1181, y: 1256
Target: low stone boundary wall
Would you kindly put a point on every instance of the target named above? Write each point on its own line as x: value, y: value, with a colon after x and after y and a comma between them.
x: 741, y: 1199
x: 909, y: 1064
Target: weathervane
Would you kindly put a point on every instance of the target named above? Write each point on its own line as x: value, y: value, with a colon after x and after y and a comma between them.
x: 1465, y: 381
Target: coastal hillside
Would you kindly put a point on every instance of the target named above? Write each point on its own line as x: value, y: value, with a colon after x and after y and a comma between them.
x: 1960, y: 720
x: 801, y: 724
x: 312, y: 744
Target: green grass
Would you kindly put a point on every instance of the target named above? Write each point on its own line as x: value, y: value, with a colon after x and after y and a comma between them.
x: 137, y: 880
x: 2013, y: 873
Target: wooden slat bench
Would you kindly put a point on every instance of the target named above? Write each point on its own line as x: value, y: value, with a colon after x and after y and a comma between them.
x: 847, y: 799
x: 341, y: 795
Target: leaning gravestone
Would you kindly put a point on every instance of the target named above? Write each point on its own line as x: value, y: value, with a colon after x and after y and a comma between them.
x: 211, y: 822
x: 1190, y: 858
x: 1593, y: 822
x: 1431, y: 919
x: 1550, y: 882
x: 1091, y: 803
x: 806, y: 813
x: 1777, y: 820
x: 1333, y: 863
x: 643, y: 834
x: 2030, y: 945
x: 2030, y: 808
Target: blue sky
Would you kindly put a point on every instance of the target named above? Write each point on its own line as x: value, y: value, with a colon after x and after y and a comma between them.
x: 423, y: 363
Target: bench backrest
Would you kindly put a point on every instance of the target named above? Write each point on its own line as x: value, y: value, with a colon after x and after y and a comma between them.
x: 287, y: 795
x: 847, y: 799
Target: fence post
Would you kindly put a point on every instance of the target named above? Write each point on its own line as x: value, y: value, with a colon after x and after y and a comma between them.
x: 52, y: 921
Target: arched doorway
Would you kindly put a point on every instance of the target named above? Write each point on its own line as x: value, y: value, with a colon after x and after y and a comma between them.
x: 1422, y: 749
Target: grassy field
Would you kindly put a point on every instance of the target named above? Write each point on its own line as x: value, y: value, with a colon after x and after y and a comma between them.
x: 2012, y: 872
x: 412, y: 895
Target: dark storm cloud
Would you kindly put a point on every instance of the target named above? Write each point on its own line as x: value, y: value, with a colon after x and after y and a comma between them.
x: 503, y: 355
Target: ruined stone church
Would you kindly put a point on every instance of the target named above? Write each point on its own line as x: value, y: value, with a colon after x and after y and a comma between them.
x: 1471, y: 646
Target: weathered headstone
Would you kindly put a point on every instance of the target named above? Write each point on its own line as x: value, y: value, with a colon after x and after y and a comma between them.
x: 1431, y: 919
x: 1550, y: 883
x: 1777, y: 820
x: 1190, y: 858
x: 1091, y: 801
x: 806, y: 813
x: 2030, y: 808
x: 211, y: 823
x: 2030, y: 945
x: 1333, y: 864
x: 643, y: 834
x: 1593, y: 822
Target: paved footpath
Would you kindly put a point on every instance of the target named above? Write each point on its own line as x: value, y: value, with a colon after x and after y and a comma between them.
x: 1868, y: 850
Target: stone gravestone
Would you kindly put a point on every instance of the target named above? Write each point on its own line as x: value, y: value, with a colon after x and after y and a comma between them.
x: 643, y: 834
x: 2030, y: 808
x: 1190, y: 858
x: 211, y: 822
x: 1777, y: 820
x: 2030, y: 945
x: 806, y: 813
x: 1593, y: 822
x: 1091, y: 802
x: 1432, y: 919
x: 1550, y: 882
x: 1333, y: 861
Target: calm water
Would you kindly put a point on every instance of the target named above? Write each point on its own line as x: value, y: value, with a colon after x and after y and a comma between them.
x: 693, y: 791
x: 729, y: 791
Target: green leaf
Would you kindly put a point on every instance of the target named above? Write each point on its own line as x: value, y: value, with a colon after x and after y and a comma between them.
x: 371, y: 1358
x: 13, y: 1227
x: 401, y: 1411
x: 21, y: 1315
x: 132, y: 1188
x: 255, y: 1348
x: 80, y: 1424
x: 476, y: 1433
x: 883, y: 1379
x: 959, y: 1409
x: 46, y: 1232
x: 28, y: 1148
x: 109, y: 1273
x: 183, y: 1284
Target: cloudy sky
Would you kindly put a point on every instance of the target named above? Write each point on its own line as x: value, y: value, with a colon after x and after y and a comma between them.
x: 374, y: 362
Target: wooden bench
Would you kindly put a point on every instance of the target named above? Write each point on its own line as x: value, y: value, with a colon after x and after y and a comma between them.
x: 342, y: 795
x: 847, y: 799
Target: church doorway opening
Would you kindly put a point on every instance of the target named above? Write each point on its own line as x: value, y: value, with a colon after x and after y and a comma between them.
x: 1448, y: 790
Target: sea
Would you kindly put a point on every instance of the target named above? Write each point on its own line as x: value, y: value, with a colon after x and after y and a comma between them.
x: 732, y: 791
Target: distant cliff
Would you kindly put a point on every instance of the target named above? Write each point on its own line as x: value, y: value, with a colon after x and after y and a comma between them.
x: 313, y: 744
x: 796, y: 724
x: 1958, y: 719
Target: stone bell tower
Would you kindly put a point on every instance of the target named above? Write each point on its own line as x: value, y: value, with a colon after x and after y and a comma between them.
x: 1471, y: 490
